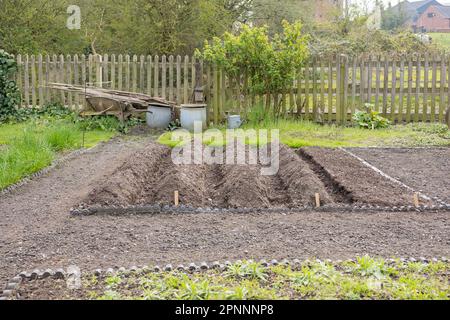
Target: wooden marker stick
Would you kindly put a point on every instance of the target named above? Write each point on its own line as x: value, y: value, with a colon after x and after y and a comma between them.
x: 416, y: 200
x: 177, y: 198
x: 317, y: 200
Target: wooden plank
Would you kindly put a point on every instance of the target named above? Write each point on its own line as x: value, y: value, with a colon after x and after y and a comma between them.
x: 76, y: 80
x: 179, y: 97
x: 99, y: 71
x: 193, y: 76
x: 164, y: 77
x: 91, y: 72
x: 113, y: 72
x: 426, y: 89
x: 41, y: 81
x: 127, y: 73
x: 105, y: 71
x: 48, y: 96
x: 299, y: 101
x: 216, y: 93
x: 209, y: 94
x: 410, y: 89
x: 33, y: 80
x: 120, y: 73
x: 135, y: 73
x: 363, y: 80
x: 307, y: 88
x: 171, y: 91
x: 345, y: 89
x: 330, y: 89
x: 369, y: 79
x: 443, y: 73
x: 141, y: 88
x: 418, y: 84
x: 156, y: 76
x: 54, y: 75
x: 338, y: 89
x: 385, y: 84
x: 402, y: 87
x: 69, y: 80
x: 26, y: 80
x: 394, y: 88
x: 83, y: 81
x: 433, y: 89
x: 377, y: 82
x: 314, y: 88
x: 223, y: 89
x: 62, y: 77
x: 186, y: 80
x: 149, y: 74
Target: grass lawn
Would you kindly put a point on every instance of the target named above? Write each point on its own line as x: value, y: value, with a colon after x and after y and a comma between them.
x: 441, y: 39
x: 298, y: 134
x: 28, y: 147
x: 366, y: 278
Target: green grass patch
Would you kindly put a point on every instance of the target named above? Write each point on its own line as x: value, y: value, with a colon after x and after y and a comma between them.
x: 28, y: 147
x: 365, y: 279
x: 441, y: 39
x: 298, y: 134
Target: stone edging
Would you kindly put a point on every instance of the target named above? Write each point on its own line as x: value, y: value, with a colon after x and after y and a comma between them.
x: 13, y: 285
x: 182, y: 209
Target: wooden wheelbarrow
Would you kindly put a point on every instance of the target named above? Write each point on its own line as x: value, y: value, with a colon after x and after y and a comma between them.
x: 102, y: 106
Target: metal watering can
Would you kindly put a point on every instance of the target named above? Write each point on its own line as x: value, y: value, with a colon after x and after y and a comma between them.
x: 234, y: 121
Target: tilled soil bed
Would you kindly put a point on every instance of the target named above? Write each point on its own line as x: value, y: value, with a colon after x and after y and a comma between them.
x: 355, y: 181
x: 426, y: 170
x: 150, y: 177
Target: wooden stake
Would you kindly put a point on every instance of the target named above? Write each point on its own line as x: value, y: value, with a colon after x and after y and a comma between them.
x: 317, y: 200
x: 416, y: 200
x: 177, y: 198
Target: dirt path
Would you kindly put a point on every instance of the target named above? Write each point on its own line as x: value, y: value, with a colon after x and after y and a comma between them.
x: 37, y: 232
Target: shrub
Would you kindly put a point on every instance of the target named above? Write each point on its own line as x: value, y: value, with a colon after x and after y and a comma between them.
x: 9, y: 93
x: 269, y: 63
x: 370, y: 119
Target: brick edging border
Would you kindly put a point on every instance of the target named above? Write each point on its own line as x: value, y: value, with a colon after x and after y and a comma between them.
x: 13, y: 284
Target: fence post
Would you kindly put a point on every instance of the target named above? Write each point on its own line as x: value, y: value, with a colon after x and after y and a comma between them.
x: 99, y: 70
x: 341, y: 110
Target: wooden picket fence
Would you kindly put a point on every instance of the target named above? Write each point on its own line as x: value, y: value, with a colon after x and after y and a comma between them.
x: 402, y: 88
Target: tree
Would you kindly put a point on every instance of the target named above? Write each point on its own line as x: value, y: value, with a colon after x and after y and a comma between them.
x: 270, y: 63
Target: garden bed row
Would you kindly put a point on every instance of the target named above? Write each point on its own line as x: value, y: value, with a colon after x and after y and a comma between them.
x: 310, y: 178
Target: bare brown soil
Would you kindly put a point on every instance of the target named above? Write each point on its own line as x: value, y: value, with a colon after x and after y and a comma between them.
x: 426, y: 170
x: 151, y: 177
x: 356, y: 182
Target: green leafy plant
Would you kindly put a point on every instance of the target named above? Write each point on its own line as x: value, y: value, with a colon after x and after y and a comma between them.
x: 370, y: 119
x: 9, y: 93
x: 269, y: 63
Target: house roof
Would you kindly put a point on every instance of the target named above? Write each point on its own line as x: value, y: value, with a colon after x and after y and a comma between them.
x: 413, y: 10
